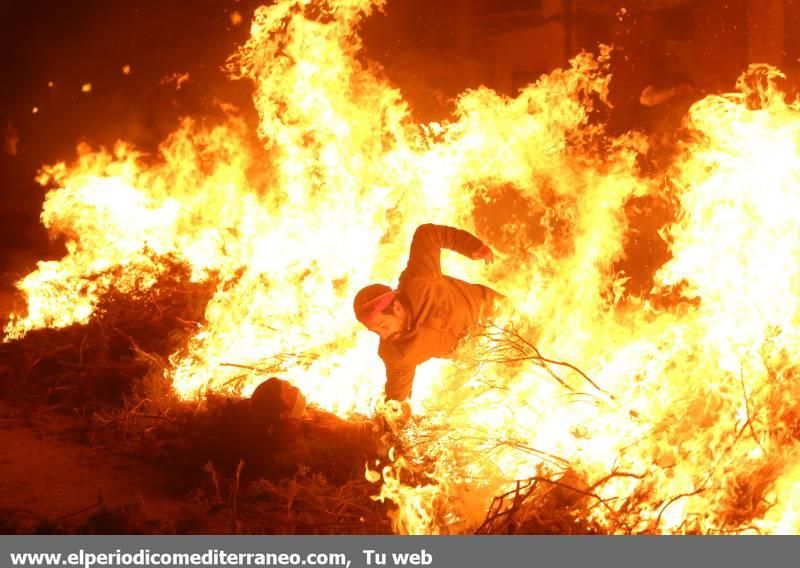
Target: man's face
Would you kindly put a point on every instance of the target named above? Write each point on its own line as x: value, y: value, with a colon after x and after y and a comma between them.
x: 388, y: 325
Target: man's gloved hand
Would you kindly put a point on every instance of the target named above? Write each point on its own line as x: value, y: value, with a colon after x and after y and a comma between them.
x: 484, y: 253
x: 395, y: 415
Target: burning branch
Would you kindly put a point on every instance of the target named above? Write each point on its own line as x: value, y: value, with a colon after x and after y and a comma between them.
x: 672, y: 500
x: 279, y: 363
x: 506, y: 345
x: 234, y: 495
x: 552, y: 505
x: 749, y: 422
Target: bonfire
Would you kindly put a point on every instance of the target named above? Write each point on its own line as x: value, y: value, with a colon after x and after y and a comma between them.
x: 606, y: 401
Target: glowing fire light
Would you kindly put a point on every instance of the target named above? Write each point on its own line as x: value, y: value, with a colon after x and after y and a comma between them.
x: 178, y: 79
x: 86, y: 88
x: 696, y: 405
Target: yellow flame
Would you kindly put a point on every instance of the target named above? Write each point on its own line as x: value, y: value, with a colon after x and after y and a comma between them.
x: 694, y: 405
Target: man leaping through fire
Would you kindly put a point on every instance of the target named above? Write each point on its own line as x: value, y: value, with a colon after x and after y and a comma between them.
x: 428, y: 313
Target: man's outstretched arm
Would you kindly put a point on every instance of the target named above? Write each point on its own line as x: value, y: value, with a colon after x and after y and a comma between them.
x: 399, y: 381
x: 430, y: 239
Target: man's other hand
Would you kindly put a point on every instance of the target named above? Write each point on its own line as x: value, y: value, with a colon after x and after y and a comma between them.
x: 484, y: 253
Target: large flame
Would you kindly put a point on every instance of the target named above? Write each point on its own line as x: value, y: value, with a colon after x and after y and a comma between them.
x: 679, y: 406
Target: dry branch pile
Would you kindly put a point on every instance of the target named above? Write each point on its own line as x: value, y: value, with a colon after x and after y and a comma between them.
x: 101, y: 363
x: 235, y: 477
x: 232, y: 476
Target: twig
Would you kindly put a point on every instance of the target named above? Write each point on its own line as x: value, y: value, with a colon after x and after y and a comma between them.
x: 747, y: 410
x: 233, y: 380
x: 238, y: 366
x: 188, y: 323
x: 575, y: 489
x: 84, y: 510
x: 612, y: 475
x: 80, y: 350
x: 529, y: 352
x: 528, y: 486
x: 234, y: 496
x: 209, y: 468
x: 565, y: 364
x: 139, y: 350
x: 151, y: 416
x: 677, y: 498
x: 540, y: 453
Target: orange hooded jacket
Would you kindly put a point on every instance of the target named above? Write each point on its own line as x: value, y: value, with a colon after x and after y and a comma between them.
x: 442, y: 310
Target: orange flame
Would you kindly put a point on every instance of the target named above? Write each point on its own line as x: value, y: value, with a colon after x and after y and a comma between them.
x: 694, y: 404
